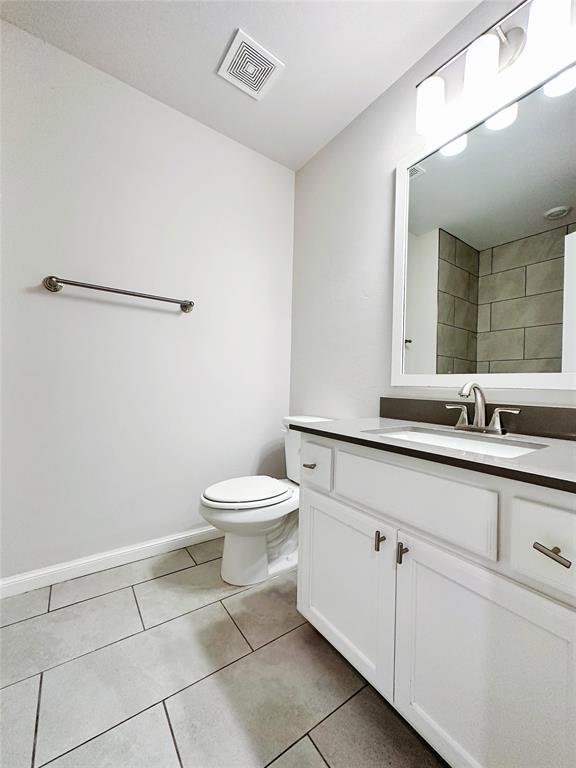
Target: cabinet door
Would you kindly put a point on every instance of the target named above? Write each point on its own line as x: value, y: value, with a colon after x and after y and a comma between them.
x: 485, y: 669
x: 346, y: 588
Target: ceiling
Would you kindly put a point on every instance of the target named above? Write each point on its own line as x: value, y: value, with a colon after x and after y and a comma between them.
x: 499, y: 187
x: 339, y: 57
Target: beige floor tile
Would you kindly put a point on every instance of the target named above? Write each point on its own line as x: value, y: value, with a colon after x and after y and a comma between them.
x: 302, y: 755
x: 23, y: 606
x: 207, y: 550
x: 17, y: 721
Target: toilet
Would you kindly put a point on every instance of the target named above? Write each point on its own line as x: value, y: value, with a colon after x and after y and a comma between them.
x: 259, y: 516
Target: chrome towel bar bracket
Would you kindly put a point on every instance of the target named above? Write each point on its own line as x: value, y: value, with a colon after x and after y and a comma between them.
x: 55, y: 284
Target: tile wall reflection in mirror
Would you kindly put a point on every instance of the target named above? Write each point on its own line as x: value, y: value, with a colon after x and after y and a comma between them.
x: 491, y: 265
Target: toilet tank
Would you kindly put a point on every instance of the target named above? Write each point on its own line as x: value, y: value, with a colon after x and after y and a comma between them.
x: 292, y: 440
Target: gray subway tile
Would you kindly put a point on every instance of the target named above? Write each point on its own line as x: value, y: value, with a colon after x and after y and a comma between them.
x: 445, y: 308
x: 545, y: 309
x: 453, y: 280
x: 483, y: 317
x: 85, y: 587
x: 23, y: 606
x: 503, y: 285
x: 143, y: 741
x: 37, y: 644
x: 18, y: 705
x: 465, y: 314
x: 175, y: 594
x: 472, y: 353
x: 501, y: 345
x: 291, y: 684
x: 368, y: 733
x: 485, y: 262
x: 482, y: 367
x: 207, y: 550
x: 544, y: 277
x: 530, y: 250
x: 466, y: 257
x: 447, y: 247
x: 526, y: 366
x: 464, y: 366
x: 87, y: 696
x: 444, y: 364
x: 266, y: 611
x: 544, y: 341
x: 452, y: 342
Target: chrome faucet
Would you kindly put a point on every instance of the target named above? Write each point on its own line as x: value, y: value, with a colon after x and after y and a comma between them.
x: 479, y: 423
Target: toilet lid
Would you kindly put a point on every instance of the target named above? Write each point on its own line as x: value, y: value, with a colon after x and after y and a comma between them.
x: 246, y: 490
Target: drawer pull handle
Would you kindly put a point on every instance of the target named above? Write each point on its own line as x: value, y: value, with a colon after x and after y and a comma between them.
x: 309, y: 466
x: 378, y: 539
x: 553, y: 554
x: 401, y: 550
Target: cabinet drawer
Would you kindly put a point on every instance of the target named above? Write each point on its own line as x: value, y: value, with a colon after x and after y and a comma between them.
x: 532, y: 521
x: 318, y: 473
x: 461, y: 514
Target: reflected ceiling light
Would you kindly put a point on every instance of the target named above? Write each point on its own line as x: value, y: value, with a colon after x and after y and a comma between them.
x: 562, y: 83
x: 548, y: 21
x: 430, y: 105
x: 455, y: 147
x: 502, y: 119
x: 482, y: 63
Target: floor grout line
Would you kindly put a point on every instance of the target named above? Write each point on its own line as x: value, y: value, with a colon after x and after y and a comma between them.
x: 317, y: 748
x: 49, y: 600
x: 236, y: 625
x: 138, y: 607
x: 37, y: 720
x: 172, y: 734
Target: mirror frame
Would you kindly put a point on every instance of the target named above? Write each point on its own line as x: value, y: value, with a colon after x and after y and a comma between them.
x: 560, y: 381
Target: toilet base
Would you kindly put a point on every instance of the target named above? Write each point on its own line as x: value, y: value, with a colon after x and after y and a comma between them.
x: 245, y: 560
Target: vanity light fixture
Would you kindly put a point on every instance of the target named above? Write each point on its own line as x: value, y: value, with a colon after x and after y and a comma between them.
x: 481, y: 68
x: 430, y: 105
x: 562, y: 83
x: 455, y: 147
x: 502, y: 119
x: 549, y: 24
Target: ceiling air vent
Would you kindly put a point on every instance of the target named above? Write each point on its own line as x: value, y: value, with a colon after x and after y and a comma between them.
x: 416, y: 170
x: 249, y: 66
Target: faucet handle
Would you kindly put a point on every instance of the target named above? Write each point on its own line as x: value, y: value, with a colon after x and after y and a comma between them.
x: 463, y: 418
x: 495, y: 423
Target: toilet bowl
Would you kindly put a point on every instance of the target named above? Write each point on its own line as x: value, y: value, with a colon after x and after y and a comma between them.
x: 259, y: 517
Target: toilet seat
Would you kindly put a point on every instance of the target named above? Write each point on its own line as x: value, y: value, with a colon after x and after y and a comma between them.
x: 249, y: 492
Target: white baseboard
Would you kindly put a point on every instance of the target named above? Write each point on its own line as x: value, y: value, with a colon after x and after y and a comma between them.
x: 24, y: 582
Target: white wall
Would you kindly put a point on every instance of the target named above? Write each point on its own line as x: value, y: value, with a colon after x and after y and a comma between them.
x: 118, y: 412
x: 421, y: 302
x: 343, y: 252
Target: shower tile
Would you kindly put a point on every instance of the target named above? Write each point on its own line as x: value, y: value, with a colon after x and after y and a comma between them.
x: 530, y: 250
x: 503, y: 285
x: 292, y: 683
x: 571, y: 228
x: 87, y: 696
x: 466, y: 257
x: 526, y: 366
x: 207, y: 550
x: 545, y: 309
x: 367, y: 732
x: 37, y: 644
x: 445, y: 308
x: 266, y: 611
x: 453, y: 280
x: 447, y: 247
x: 85, y: 587
x: 544, y: 277
x: 452, y: 342
x: 483, y: 317
x: 144, y: 741
x: 171, y: 596
x: 464, y: 366
x: 465, y: 314
x: 501, y: 345
x: 485, y: 262
x: 544, y: 341
x: 444, y: 364
x: 23, y: 606
x: 17, y: 721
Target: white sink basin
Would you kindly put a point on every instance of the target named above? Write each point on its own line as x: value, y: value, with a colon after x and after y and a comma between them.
x: 502, y: 447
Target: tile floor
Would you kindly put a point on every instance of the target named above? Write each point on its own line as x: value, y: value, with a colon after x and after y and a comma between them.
x: 160, y: 664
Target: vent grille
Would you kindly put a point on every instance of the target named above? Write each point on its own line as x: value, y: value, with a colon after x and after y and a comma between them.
x: 249, y: 66
x: 416, y: 170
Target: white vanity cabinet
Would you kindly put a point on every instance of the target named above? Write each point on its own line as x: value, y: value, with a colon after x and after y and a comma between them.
x: 481, y: 662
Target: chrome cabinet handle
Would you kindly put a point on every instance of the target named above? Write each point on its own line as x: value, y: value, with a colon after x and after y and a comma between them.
x: 401, y: 550
x: 553, y: 554
x: 378, y: 539
x: 309, y: 466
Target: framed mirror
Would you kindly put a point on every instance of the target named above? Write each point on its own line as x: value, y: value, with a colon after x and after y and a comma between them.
x: 485, y: 253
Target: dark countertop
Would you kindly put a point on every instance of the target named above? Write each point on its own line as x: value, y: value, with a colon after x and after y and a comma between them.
x: 552, y: 467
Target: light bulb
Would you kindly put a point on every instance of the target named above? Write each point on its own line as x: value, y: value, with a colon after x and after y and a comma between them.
x: 548, y: 23
x: 455, y: 147
x: 502, y: 119
x: 562, y: 83
x: 430, y: 105
x: 481, y: 67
